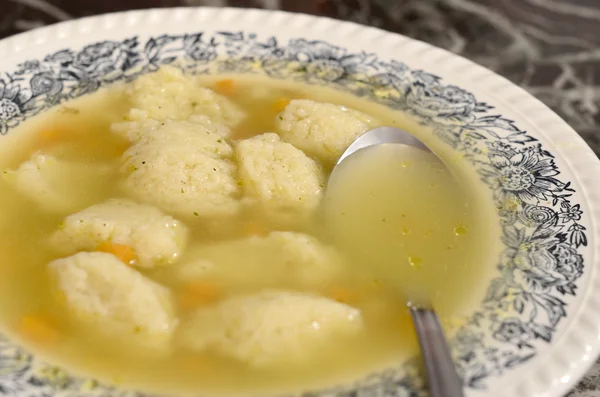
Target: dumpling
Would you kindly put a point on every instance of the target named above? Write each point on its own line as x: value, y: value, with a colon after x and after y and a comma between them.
x: 185, y: 169
x: 168, y: 94
x: 278, y: 178
x: 289, y: 258
x: 59, y: 186
x: 321, y: 130
x: 155, y: 238
x: 271, y: 327
x: 99, y: 290
x: 134, y: 130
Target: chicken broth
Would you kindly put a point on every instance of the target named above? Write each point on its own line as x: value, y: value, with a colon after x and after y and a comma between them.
x: 169, y: 235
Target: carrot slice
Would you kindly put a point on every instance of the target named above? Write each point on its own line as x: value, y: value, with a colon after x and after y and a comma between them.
x: 225, y: 87
x: 120, y: 148
x: 243, y: 133
x: 343, y: 295
x: 124, y: 252
x: 254, y: 228
x: 193, y: 363
x: 53, y: 136
x: 401, y: 320
x: 281, y: 103
x: 38, y: 329
x: 197, y: 294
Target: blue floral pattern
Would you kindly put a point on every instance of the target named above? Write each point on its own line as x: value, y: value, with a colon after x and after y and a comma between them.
x: 543, y: 230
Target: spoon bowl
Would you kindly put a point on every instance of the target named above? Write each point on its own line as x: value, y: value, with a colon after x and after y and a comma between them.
x: 441, y: 374
x: 383, y: 135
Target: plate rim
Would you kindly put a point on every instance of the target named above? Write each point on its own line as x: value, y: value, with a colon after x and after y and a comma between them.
x: 582, y: 335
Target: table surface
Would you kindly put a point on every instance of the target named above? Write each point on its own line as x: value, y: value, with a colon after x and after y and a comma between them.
x: 549, y: 47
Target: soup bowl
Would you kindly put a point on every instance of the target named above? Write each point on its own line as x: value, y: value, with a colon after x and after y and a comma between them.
x: 537, y: 329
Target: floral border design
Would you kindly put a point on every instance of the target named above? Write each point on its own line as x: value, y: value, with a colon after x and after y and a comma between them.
x: 542, y: 228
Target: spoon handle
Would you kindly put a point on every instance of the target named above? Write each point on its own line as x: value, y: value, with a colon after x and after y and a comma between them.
x: 441, y: 374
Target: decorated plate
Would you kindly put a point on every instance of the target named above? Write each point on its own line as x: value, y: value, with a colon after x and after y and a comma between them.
x: 546, y: 279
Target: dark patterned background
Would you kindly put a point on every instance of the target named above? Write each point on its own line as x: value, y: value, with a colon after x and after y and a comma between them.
x: 549, y: 47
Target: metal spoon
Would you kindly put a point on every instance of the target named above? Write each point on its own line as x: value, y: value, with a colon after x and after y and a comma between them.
x: 441, y: 374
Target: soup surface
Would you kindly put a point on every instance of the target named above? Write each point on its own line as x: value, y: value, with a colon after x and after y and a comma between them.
x: 179, y: 232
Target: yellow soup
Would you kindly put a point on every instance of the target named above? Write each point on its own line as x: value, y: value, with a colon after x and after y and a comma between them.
x: 178, y: 232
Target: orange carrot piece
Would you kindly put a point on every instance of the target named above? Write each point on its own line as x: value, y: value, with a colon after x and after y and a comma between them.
x: 225, y: 87
x: 193, y: 363
x: 198, y: 293
x: 124, y: 252
x: 53, y: 136
x: 401, y: 320
x: 243, y: 133
x: 254, y: 228
x: 342, y: 295
x: 4, y: 268
x: 280, y: 104
x: 120, y: 148
x: 38, y: 329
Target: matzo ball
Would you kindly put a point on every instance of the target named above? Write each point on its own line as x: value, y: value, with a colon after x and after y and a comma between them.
x: 278, y: 178
x: 184, y: 169
x: 289, y: 258
x: 168, y: 94
x: 134, y: 130
x: 56, y: 185
x: 100, y: 290
x: 321, y: 130
x: 155, y: 238
x: 271, y: 327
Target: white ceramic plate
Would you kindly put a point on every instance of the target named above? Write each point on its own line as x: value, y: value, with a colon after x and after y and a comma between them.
x: 547, y: 281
